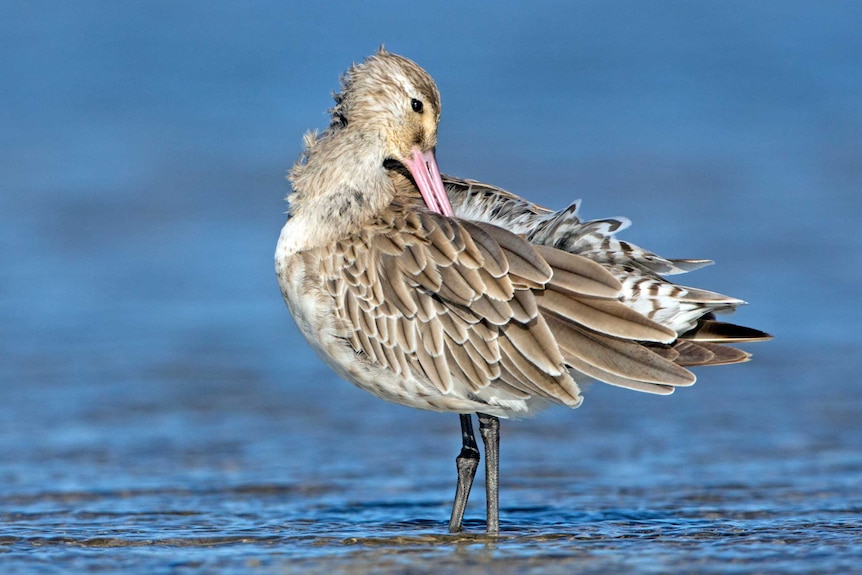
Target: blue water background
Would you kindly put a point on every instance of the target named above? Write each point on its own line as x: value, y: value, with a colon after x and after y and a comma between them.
x: 160, y: 413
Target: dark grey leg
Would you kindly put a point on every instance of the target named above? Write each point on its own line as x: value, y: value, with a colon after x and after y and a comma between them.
x: 467, y: 462
x: 489, y: 427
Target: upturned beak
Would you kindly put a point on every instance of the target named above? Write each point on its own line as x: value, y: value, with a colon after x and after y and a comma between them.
x: 423, y: 168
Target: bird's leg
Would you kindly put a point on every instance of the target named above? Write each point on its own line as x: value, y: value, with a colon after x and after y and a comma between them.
x: 489, y: 427
x: 467, y: 462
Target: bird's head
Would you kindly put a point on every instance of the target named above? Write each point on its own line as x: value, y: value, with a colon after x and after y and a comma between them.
x: 395, y: 104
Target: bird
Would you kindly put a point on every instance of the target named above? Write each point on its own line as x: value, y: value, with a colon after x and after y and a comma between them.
x: 451, y: 295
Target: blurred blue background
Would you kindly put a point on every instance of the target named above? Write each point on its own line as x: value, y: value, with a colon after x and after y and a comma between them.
x: 143, y: 148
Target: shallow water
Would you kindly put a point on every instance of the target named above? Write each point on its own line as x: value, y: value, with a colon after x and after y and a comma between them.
x: 160, y: 413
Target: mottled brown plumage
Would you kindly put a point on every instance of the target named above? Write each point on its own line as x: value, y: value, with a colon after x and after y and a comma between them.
x: 452, y: 295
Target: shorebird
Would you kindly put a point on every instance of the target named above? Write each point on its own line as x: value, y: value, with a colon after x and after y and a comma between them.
x: 451, y: 295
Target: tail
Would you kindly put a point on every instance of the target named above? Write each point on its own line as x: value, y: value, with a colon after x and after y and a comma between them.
x: 706, y: 343
x: 602, y: 338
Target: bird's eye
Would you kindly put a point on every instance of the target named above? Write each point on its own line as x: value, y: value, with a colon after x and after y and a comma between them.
x: 416, y: 105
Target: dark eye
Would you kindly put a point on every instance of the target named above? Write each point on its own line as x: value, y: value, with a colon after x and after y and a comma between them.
x: 416, y: 105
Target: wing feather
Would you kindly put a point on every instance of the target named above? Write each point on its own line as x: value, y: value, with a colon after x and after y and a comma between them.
x: 606, y: 316
x: 580, y: 276
x: 451, y: 302
x: 626, y: 359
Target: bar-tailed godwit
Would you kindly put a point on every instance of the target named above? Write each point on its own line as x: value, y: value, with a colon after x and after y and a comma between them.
x: 452, y: 295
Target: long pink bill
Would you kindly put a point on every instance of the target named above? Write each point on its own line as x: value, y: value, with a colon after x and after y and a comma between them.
x: 423, y: 167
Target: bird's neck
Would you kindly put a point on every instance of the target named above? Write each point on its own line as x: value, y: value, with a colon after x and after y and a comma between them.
x: 339, y: 185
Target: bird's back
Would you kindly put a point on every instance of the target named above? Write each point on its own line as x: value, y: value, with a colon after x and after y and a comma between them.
x: 690, y: 312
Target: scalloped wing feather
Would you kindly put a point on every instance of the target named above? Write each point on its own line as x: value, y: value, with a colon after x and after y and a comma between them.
x: 488, y: 310
x: 455, y: 330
